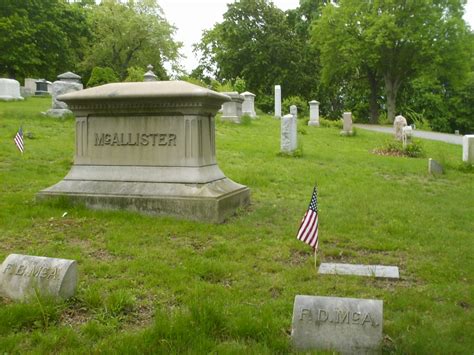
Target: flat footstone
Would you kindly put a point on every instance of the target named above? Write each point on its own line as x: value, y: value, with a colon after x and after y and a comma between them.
x: 379, y: 271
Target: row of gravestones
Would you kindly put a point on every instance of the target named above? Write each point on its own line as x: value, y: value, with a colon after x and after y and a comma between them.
x: 347, y: 325
x: 10, y: 89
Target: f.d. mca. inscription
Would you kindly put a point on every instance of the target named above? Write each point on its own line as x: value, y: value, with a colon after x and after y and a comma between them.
x: 135, y: 139
x: 337, y: 316
x: 33, y: 270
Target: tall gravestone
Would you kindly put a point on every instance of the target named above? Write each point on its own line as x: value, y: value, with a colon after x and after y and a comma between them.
x: 288, y: 140
x: 30, y: 86
x: 149, y: 147
x: 248, y: 106
x: 232, y: 110
x: 398, y: 124
x: 277, y: 101
x: 67, y: 82
x: 294, y: 111
x: 9, y: 90
x: 313, y: 113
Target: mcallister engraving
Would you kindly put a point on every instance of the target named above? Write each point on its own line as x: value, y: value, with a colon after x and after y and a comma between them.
x: 135, y: 139
x: 337, y: 316
x: 34, y: 270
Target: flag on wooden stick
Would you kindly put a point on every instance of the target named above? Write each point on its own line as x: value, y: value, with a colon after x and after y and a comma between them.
x: 308, y: 231
x: 19, y: 141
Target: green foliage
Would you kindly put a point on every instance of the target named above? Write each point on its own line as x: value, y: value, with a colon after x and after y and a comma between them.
x: 417, y: 119
x: 239, y: 85
x: 394, y: 147
x: 225, y: 86
x: 299, y: 102
x: 245, y: 120
x: 135, y: 74
x: 101, y: 76
x: 193, y: 80
x: 41, y: 38
x: 130, y: 34
x: 323, y: 122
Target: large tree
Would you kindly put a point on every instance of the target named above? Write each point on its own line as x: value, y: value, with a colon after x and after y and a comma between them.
x: 41, y: 38
x: 131, y: 34
x: 387, y: 41
x: 254, y: 42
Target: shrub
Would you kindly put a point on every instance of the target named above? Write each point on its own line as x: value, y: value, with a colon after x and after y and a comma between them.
x: 101, y: 76
x: 239, y: 85
x: 135, y: 74
x: 323, y: 122
x: 395, y: 148
x: 299, y: 102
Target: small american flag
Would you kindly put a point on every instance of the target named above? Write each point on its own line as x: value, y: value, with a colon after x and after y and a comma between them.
x: 308, y: 231
x: 19, y: 141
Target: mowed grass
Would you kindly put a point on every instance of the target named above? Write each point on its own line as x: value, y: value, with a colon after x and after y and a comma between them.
x: 162, y: 285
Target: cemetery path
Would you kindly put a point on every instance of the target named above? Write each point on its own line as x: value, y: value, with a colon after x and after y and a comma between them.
x: 435, y: 136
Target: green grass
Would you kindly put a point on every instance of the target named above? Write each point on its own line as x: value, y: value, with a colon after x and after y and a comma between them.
x: 161, y: 285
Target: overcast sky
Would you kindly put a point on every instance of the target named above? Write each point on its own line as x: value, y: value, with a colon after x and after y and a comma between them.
x: 191, y: 17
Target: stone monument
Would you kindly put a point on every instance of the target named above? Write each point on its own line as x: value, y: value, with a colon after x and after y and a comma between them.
x: 248, y: 106
x: 344, y: 325
x: 232, y: 110
x: 434, y: 167
x: 277, y: 101
x: 347, y: 124
x: 398, y: 123
x: 294, y: 111
x: 468, y: 148
x: 30, y: 86
x: 313, y: 113
x: 67, y: 82
x: 407, y: 133
x: 288, y: 142
x: 9, y: 90
x: 41, y: 87
x: 149, y: 147
x: 149, y: 75
x: 22, y: 276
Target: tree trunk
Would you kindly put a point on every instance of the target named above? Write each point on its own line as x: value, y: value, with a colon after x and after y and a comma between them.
x: 391, y: 91
x: 373, y: 105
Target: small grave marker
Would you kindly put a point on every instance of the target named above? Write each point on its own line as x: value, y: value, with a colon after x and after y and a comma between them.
x: 22, y: 275
x: 379, y: 271
x: 346, y: 325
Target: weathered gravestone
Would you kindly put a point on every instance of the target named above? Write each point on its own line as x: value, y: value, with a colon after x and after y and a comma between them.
x: 294, y: 111
x: 346, y: 325
x: 232, y: 110
x: 378, y: 271
x: 288, y: 141
x: 468, y: 148
x: 24, y: 276
x: 434, y: 167
x: 9, y: 90
x: 277, y: 101
x: 398, y: 123
x: 248, y: 106
x: 313, y: 113
x: 67, y: 82
x: 149, y: 147
x: 347, y: 124
x: 41, y: 87
x: 30, y: 86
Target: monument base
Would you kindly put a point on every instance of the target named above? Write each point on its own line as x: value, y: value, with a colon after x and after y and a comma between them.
x: 235, y: 119
x: 313, y: 123
x: 210, y: 202
x: 59, y: 112
x: 347, y: 133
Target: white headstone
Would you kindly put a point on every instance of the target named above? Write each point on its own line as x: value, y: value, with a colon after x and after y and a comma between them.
x: 345, y: 325
x: 378, y: 271
x: 67, y: 82
x: 232, y: 110
x: 294, y: 111
x: 9, y: 90
x: 398, y: 123
x: 277, y: 101
x: 288, y: 134
x: 407, y: 133
x: 21, y: 276
x: 468, y: 148
x: 248, y: 106
x: 30, y: 86
x: 313, y: 113
x: 347, y: 124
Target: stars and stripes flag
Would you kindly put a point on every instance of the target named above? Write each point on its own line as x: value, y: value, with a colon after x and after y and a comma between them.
x: 19, y: 141
x: 308, y: 231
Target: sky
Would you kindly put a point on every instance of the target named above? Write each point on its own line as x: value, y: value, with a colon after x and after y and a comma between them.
x: 191, y: 17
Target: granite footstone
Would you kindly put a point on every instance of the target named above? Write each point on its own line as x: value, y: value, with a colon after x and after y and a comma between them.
x: 345, y: 325
x: 24, y: 276
x: 434, y: 167
x: 378, y: 271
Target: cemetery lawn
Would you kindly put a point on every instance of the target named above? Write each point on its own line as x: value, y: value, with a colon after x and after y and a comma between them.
x: 162, y: 285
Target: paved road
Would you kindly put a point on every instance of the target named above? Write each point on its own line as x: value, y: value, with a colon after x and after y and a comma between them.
x: 435, y: 136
